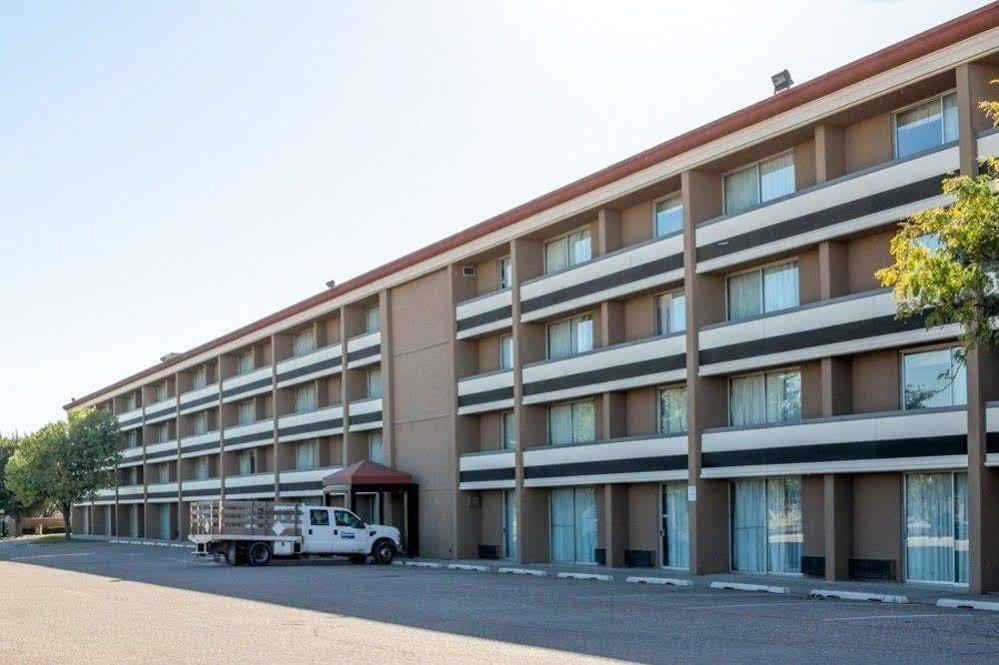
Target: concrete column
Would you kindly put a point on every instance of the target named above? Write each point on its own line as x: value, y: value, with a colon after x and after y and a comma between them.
x: 388, y: 426
x: 830, y: 159
x: 608, y: 230
x: 221, y: 424
x: 344, y: 399
x: 838, y: 521
x: 615, y: 523
x: 275, y: 457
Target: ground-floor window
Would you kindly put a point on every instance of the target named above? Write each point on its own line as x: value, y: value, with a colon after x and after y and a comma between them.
x: 675, y: 526
x: 574, y: 524
x: 936, y: 527
x: 766, y: 525
x: 164, y: 520
x: 510, y: 524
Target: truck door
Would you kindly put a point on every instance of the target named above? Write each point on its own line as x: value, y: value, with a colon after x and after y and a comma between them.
x: 318, y: 531
x: 350, y: 533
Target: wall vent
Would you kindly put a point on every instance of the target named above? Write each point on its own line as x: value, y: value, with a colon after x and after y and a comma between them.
x: 468, y: 271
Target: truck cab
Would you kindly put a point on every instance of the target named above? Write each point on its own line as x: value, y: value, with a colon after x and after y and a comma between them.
x: 332, y: 530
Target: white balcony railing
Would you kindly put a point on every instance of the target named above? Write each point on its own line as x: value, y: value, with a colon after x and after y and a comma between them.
x: 249, y: 436
x: 634, y: 459
x: 158, y: 452
x: 326, y: 421
x: 160, y: 411
x: 130, y: 419
x: 256, y: 485
x: 200, y: 444
x: 200, y: 399
x: 319, y: 363
x: 241, y: 386
x: 485, y: 392
x: 364, y: 349
x: 365, y: 414
x: 192, y: 490
x: 162, y: 492
x: 492, y: 469
x: 131, y: 493
x: 484, y: 314
x: 304, y: 483
x: 992, y: 434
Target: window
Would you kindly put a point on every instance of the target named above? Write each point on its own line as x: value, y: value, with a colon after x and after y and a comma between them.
x: 132, y: 438
x: 570, y: 337
x: 163, y: 473
x: 376, y: 451
x: 925, y: 126
x: 200, y: 422
x: 130, y: 402
x: 200, y: 468
x: 319, y: 517
x: 162, y: 433
x: 200, y: 377
x: 673, y: 410
x: 675, y: 526
x: 508, y: 431
x: 770, y: 398
x: 245, y: 413
x: 762, y: 290
x: 933, y: 378
x: 133, y: 475
x: 574, y: 525
x: 766, y: 525
x: 936, y: 527
x: 373, y: 320
x: 374, y: 382
x: 304, y: 342
x: 244, y: 362
x: 567, y: 251
x: 506, y: 352
x: 669, y: 216
x: 162, y: 392
x: 505, y: 269
x: 572, y: 422
x: 347, y: 518
x: 759, y: 183
x: 306, y: 455
x: 305, y: 398
x: 671, y: 312
x: 248, y: 462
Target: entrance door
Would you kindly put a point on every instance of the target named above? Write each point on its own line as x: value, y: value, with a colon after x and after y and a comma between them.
x: 510, y: 524
x: 675, y: 529
x: 318, y: 530
x: 936, y: 527
x: 367, y: 505
x: 574, y: 525
x: 165, y: 521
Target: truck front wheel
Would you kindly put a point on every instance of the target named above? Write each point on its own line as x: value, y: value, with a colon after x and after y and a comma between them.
x: 259, y: 554
x: 383, y: 552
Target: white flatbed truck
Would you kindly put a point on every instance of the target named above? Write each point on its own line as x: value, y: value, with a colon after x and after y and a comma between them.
x: 254, y: 532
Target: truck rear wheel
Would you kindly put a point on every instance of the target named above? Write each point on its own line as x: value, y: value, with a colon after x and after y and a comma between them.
x: 259, y: 554
x: 383, y: 552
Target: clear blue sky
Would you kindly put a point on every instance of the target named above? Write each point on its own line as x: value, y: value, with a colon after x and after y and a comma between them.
x: 171, y: 171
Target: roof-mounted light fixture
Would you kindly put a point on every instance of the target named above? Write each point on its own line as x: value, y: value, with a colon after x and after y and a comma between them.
x: 782, y: 81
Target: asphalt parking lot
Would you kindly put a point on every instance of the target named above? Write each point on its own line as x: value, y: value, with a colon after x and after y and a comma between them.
x: 99, y: 602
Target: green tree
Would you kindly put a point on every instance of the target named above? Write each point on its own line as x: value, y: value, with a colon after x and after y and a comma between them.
x: 66, y: 462
x: 10, y: 503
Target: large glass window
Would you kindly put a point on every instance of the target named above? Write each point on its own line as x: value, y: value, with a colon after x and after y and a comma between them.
x: 248, y: 462
x: 200, y: 468
x: 770, y: 398
x: 376, y: 450
x: 673, y: 410
x: 572, y: 422
x: 374, y: 382
x: 244, y: 362
x: 373, y: 320
x: 162, y: 433
x: 574, y: 525
x: 306, y: 455
x: 131, y: 402
x: 936, y: 527
x: 570, y: 337
x: 506, y: 352
x: 759, y: 183
x: 505, y: 273
x: 132, y: 438
x: 567, y: 251
x: 762, y: 291
x: 669, y: 216
x: 934, y: 378
x: 766, y: 525
x: 508, y: 431
x: 675, y: 526
x: 245, y: 412
x: 510, y: 524
x: 200, y: 422
x: 200, y: 377
x: 162, y: 392
x: 304, y: 342
x: 671, y: 313
x: 163, y: 472
x: 926, y: 126
x: 305, y: 398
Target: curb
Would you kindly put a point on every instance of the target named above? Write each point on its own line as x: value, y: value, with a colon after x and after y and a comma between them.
x: 421, y: 564
x: 664, y: 581
x: 523, y: 571
x: 969, y: 604
x: 585, y: 576
x: 739, y: 586
x: 468, y: 566
x: 858, y: 595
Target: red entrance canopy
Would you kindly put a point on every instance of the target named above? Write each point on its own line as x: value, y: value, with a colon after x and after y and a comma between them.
x: 367, y: 472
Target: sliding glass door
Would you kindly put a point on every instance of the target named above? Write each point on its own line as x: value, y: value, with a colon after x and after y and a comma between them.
x: 766, y: 525
x: 936, y: 527
x: 675, y: 526
x: 574, y: 525
x: 510, y: 524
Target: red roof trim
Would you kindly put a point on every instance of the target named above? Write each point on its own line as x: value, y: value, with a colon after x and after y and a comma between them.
x: 887, y: 58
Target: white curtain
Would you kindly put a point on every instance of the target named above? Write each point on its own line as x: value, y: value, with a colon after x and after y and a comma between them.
x: 133, y: 521
x: 306, y: 455
x: 510, y: 525
x: 961, y: 541
x: 200, y: 378
x: 305, y: 398
x: 509, y: 431
x: 562, y: 528
x: 559, y: 340
x: 582, y: 249
x: 374, y: 383
x: 585, y: 519
x: 582, y: 333
x: 929, y: 529
x: 669, y: 216
x: 304, y: 342
x: 584, y: 422
x: 672, y: 410
x: 245, y: 413
x: 244, y: 362
x: 201, y: 468
x: 201, y: 423
x: 745, y: 296
x: 784, y: 534
x: 505, y: 273
x: 780, y: 287
x: 742, y: 190
x: 556, y: 255
x: 950, y: 118
x: 746, y: 400
x: 749, y: 526
x: 919, y: 129
x: 783, y: 397
x: 164, y: 521
x: 506, y: 352
x: 373, y: 320
x: 677, y: 526
x: 560, y: 424
x: 247, y: 462
x: 678, y: 312
x: 376, y: 451
x: 777, y: 177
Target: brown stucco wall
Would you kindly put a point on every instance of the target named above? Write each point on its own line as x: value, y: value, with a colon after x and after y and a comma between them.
x: 877, y: 517
x: 813, y: 515
x: 875, y: 381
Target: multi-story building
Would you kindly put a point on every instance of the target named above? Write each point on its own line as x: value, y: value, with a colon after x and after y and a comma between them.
x: 683, y: 360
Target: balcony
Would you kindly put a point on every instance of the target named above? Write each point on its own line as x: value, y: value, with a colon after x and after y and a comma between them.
x: 200, y: 444
x: 629, y: 270
x: 364, y: 349
x: 319, y: 363
x: 863, y: 200
x: 200, y: 399
x: 628, y: 460
x: 493, y: 469
x: 105, y: 496
x: 130, y: 457
x: 326, y: 421
x: 241, y: 386
x: 839, y: 326
x: 130, y: 419
x: 645, y: 362
x: 158, y: 452
x: 485, y: 392
x: 888, y: 441
x: 484, y: 314
x: 131, y: 493
x: 162, y: 492
x: 193, y: 490
x: 365, y: 414
x: 249, y: 436
x: 304, y: 483
x: 992, y: 437
x: 160, y: 411
x: 252, y: 486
